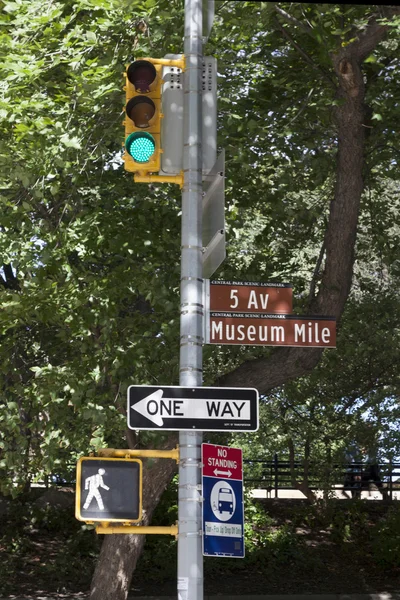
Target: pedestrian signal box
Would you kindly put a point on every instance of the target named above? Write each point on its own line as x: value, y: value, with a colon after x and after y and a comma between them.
x: 108, y: 489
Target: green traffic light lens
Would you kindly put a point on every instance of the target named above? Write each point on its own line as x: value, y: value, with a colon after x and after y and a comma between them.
x: 140, y: 146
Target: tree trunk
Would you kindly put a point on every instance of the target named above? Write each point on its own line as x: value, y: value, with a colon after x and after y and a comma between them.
x: 120, y: 552
x: 301, y: 486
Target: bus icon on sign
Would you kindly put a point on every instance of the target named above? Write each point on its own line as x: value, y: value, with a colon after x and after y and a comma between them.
x: 225, y: 501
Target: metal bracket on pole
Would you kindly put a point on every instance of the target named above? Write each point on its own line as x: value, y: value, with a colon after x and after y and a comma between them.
x: 214, y: 248
x: 198, y: 499
x: 178, y: 179
x: 124, y: 453
x: 190, y: 462
x: 208, y: 17
x: 191, y: 533
x: 214, y: 217
x: 180, y: 63
x: 187, y: 486
x: 105, y: 529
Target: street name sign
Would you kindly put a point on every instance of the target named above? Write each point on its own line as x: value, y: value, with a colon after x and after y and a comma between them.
x: 249, y: 297
x: 223, y: 514
x: 271, y: 330
x: 108, y: 489
x: 183, y: 408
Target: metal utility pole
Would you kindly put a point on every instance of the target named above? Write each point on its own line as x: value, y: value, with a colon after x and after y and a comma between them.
x: 190, y: 559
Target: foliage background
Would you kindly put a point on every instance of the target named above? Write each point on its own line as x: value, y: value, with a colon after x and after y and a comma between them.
x: 89, y: 282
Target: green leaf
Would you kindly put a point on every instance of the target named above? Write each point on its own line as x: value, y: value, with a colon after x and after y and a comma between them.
x: 70, y: 142
x: 91, y: 36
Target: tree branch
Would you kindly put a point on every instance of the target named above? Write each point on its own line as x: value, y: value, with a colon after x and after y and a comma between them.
x: 304, y: 54
x: 370, y: 37
x: 291, y: 19
x: 302, y: 109
x: 380, y: 146
x: 316, y: 274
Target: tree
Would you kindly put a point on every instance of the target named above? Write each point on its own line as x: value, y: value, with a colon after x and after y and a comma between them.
x: 352, y: 394
x: 90, y: 273
x: 335, y: 128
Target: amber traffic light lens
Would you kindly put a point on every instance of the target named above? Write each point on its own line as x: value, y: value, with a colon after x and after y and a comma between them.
x: 140, y: 109
x: 141, y: 74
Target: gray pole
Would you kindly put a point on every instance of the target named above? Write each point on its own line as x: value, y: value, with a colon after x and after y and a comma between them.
x: 190, y: 559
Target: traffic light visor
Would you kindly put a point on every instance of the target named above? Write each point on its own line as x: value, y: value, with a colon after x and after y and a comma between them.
x: 141, y: 74
x: 140, y: 109
x: 141, y: 146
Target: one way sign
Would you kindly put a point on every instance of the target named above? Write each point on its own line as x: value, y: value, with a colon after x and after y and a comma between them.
x: 203, y: 408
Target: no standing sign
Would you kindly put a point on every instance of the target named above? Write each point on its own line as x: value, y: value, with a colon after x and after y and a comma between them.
x: 223, y: 514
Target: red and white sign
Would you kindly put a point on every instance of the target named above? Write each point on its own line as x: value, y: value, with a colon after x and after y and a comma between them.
x: 245, y: 296
x: 222, y: 462
x: 271, y: 330
x: 222, y: 507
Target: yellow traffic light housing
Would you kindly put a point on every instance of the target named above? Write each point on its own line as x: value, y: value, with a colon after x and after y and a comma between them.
x: 143, y: 144
x: 143, y: 117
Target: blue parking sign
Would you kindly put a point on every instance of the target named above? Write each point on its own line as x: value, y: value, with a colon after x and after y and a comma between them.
x: 223, y: 519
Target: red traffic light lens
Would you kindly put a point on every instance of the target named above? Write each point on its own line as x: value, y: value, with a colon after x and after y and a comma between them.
x: 140, y: 109
x: 141, y: 74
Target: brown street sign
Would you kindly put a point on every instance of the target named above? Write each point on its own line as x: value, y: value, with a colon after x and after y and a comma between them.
x: 271, y: 330
x: 249, y: 297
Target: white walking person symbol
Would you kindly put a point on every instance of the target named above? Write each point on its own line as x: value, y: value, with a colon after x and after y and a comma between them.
x: 93, y: 484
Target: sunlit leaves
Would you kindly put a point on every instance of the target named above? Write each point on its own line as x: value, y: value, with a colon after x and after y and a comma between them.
x: 96, y: 257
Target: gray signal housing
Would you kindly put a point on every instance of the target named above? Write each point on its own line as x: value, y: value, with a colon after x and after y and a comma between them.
x: 172, y: 122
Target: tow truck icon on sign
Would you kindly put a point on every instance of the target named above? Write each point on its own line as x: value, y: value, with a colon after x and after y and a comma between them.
x: 225, y: 500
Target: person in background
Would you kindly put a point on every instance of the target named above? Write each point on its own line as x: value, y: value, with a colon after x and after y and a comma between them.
x: 352, y: 482
x: 370, y: 472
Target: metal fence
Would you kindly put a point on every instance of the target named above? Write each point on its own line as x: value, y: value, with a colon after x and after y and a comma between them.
x: 352, y: 477
x: 276, y: 474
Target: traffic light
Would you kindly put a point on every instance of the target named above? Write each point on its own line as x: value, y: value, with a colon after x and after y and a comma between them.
x: 143, y: 135
x: 108, y: 489
x: 154, y: 118
x: 143, y: 117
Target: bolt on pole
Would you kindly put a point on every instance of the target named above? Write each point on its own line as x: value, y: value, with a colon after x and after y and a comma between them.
x: 190, y: 559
